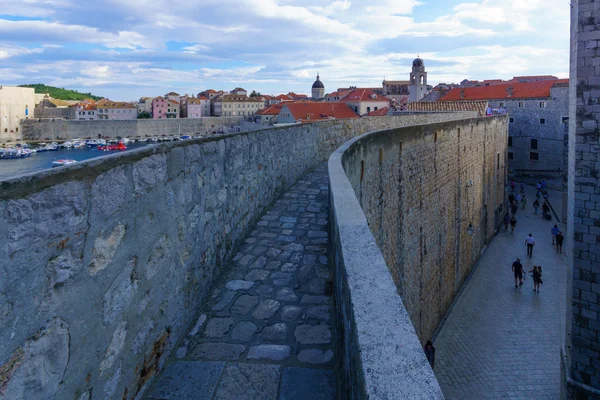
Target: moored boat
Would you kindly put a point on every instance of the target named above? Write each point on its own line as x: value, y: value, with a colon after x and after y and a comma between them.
x: 60, y: 163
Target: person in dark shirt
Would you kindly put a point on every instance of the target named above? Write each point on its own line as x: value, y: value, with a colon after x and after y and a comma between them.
x: 513, y: 208
x: 513, y: 224
x: 545, y: 209
x: 430, y: 353
x: 517, y: 268
x: 537, y: 277
x: 536, y: 205
x: 560, y: 238
x: 506, y: 221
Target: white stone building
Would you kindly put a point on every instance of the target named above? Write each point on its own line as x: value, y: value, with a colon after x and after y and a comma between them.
x: 16, y: 104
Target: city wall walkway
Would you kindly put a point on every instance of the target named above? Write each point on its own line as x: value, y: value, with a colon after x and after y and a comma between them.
x: 267, y: 331
x: 503, y: 342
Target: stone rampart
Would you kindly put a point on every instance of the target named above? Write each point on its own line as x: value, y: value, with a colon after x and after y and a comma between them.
x: 48, y: 130
x: 104, y: 263
x: 411, y: 210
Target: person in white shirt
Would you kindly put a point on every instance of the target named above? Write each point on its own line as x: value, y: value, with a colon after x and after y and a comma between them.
x: 529, y: 242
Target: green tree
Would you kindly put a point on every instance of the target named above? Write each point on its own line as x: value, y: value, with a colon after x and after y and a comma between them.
x: 255, y: 94
x: 61, y: 93
x: 144, y: 115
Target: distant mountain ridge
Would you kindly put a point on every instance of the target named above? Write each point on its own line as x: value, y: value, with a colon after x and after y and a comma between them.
x: 61, y: 93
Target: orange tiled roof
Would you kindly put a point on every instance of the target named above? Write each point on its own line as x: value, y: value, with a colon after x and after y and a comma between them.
x: 525, y: 90
x: 480, y: 106
x: 382, y: 112
x: 363, y: 95
x: 173, y: 101
x: 307, y: 112
x: 273, y: 110
x: 172, y: 94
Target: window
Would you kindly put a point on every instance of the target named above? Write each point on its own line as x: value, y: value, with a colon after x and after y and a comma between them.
x: 542, y: 121
x: 533, y: 155
x: 564, y: 120
x: 368, y: 109
x: 511, y: 120
x: 502, y: 104
x: 498, y: 161
x: 510, y: 155
x: 521, y: 104
x: 534, y: 144
x: 542, y: 104
x: 510, y: 141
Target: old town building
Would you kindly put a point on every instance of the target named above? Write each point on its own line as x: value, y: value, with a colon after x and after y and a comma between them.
x: 16, y: 104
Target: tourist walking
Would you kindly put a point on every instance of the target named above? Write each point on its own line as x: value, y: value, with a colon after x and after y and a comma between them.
x: 517, y: 268
x: 523, y: 202
x: 514, y: 208
x: 506, y: 221
x: 536, y: 205
x: 539, y: 188
x: 513, y: 224
x: 560, y: 238
x: 430, y: 353
x: 543, y: 184
x: 512, y: 186
x: 545, y: 211
x: 511, y: 198
x: 537, y: 277
x: 522, y: 187
x: 529, y: 242
x: 554, y: 232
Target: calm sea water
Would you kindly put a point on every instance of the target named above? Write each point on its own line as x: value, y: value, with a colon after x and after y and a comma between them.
x: 41, y: 161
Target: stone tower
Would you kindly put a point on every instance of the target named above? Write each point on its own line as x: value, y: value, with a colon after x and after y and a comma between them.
x: 418, y: 80
x: 318, y: 89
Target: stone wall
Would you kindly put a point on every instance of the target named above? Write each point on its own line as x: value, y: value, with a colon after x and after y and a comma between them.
x: 104, y: 263
x: 582, y: 348
x: 48, y: 130
x: 406, y: 198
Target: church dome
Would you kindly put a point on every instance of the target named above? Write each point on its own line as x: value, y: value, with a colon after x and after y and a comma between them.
x: 318, y: 84
x: 417, y: 62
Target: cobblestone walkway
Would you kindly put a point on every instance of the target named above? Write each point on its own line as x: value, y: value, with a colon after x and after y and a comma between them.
x: 503, y: 342
x: 267, y: 331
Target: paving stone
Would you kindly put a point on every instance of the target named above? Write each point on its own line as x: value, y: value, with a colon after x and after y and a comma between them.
x: 217, y: 351
x: 307, y: 383
x: 284, y: 255
x: 309, y: 259
x: 264, y: 290
x: 311, y: 299
x: 289, y: 267
x: 316, y: 249
x: 288, y: 225
x: 239, y: 285
x: 259, y: 263
x: 246, y: 260
x: 317, y: 234
x: 258, y: 250
x: 291, y: 313
x: 275, y: 352
x: 272, y: 252
x: 218, y: 327
x: 322, y: 271
x: 316, y: 286
x: 323, y: 260
x: 274, y: 333
x: 296, y: 258
x: 287, y: 295
x: 284, y: 238
x: 292, y: 247
x: 322, y: 313
x: 315, y: 356
x: 244, y: 304
x: 243, y: 331
x: 266, y: 309
x: 281, y: 278
x: 309, y: 334
x: 188, y: 380
x: 257, y: 275
x: 272, y: 265
x: 319, y: 241
x: 248, y: 382
x: 288, y: 219
x: 322, y: 221
x: 268, y: 235
x: 224, y: 302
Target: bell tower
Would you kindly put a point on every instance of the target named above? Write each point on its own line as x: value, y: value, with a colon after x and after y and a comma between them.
x: 418, y: 80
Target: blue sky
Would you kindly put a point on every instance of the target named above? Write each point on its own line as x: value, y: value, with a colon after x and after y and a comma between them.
x: 124, y: 49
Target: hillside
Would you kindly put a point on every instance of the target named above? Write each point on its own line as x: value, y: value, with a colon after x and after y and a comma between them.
x: 60, y: 93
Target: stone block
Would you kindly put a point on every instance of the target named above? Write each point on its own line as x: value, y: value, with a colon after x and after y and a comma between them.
x: 188, y: 380
x: 218, y: 327
x: 274, y: 333
x: 309, y: 334
x: 266, y: 309
x: 243, y: 304
x: 239, y: 285
x: 248, y: 381
x: 315, y: 356
x: 243, y: 331
x: 305, y: 383
x: 274, y: 352
x: 217, y: 351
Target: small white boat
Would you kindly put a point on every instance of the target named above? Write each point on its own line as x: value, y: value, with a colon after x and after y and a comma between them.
x: 60, y: 163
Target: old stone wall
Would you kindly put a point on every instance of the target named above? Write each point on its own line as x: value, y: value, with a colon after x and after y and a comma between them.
x: 48, y: 130
x: 582, y: 347
x: 420, y: 189
x: 105, y: 263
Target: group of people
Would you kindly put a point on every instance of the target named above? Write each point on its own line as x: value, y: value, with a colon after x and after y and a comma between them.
x: 536, y: 274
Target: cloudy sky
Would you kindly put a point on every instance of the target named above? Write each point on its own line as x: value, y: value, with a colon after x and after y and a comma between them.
x: 124, y: 49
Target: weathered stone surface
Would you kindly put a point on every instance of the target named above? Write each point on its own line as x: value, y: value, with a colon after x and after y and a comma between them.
x: 63, y: 267
x: 264, y: 290
x: 266, y: 309
x: 218, y: 327
x: 217, y: 351
x: 310, y: 299
x: 148, y: 172
x: 115, y: 347
x: 243, y: 331
x: 308, y: 334
x: 259, y: 263
x: 188, y: 380
x: 239, y: 285
x: 291, y: 313
x: 246, y: 260
x: 287, y: 295
x: 248, y: 381
x: 322, y: 271
x: 273, y: 265
x: 109, y: 192
x: 293, y: 247
x: 111, y: 385
x: 315, y: 356
x: 198, y: 325
x: 105, y: 248
x: 243, y: 304
x: 138, y: 344
x: 289, y: 267
x: 257, y: 275
x: 273, y: 352
x: 224, y: 302
x: 158, y: 257
x: 121, y: 292
x: 317, y: 286
x: 317, y: 234
x: 307, y: 383
x: 36, y: 369
x: 318, y: 312
x: 281, y: 278
x: 274, y: 333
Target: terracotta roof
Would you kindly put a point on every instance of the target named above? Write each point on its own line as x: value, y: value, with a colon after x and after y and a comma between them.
x: 273, y: 110
x: 307, y: 112
x: 173, y: 101
x: 267, y: 97
x: 201, y: 97
x: 171, y: 94
x: 525, y: 90
x: 284, y: 97
x: 339, y: 93
x: 363, y: 95
x: 382, y: 112
x: 479, y: 106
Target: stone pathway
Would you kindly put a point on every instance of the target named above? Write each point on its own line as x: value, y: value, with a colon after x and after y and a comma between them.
x: 503, y: 342
x: 267, y: 331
